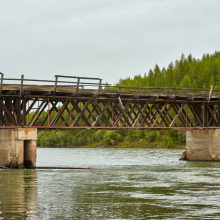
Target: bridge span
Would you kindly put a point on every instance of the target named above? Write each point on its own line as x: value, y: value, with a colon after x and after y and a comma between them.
x: 69, y: 102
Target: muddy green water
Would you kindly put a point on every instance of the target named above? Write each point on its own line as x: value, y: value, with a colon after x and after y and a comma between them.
x: 122, y: 184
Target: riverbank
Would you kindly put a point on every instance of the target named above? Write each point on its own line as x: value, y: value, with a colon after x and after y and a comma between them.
x: 113, y: 146
x: 111, y: 138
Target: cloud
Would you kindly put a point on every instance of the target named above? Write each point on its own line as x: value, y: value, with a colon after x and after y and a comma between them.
x: 107, y: 39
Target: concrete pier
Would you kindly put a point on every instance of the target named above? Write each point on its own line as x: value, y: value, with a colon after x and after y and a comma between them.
x: 203, y: 145
x: 18, y: 147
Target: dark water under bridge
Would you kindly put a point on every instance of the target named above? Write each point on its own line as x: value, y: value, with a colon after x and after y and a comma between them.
x: 81, y: 102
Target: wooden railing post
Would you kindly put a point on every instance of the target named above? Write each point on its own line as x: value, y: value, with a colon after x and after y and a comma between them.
x: 2, y: 76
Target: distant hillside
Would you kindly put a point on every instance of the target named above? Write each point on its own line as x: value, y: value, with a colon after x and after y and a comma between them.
x: 187, y: 72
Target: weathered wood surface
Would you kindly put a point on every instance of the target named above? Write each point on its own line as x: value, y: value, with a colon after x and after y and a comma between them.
x: 46, y: 90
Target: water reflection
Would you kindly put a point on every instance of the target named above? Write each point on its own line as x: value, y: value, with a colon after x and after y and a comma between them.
x: 18, y: 194
x: 124, y: 184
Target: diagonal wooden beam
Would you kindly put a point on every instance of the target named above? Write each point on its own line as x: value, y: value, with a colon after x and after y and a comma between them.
x: 117, y: 112
x: 59, y: 113
x: 141, y: 111
x: 101, y: 114
x: 31, y: 106
x: 134, y: 113
x: 151, y: 114
x: 160, y: 111
x: 81, y: 113
x: 195, y: 113
x: 35, y: 113
x: 129, y: 111
x: 211, y: 113
x: 8, y: 113
x: 110, y: 115
x: 70, y: 113
x: 94, y: 110
x: 188, y: 118
x: 176, y: 109
x: 101, y: 110
x: 177, y: 115
x: 121, y: 114
x: 50, y: 111
x: 62, y: 118
x: 167, y: 111
x: 101, y: 120
x: 78, y: 110
x: 163, y: 119
x: 41, y: 111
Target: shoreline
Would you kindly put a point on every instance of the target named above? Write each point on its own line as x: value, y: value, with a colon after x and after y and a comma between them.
x: 115, y: 146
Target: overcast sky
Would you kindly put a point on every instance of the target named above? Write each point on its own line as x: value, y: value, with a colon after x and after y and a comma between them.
x: 110, y: 39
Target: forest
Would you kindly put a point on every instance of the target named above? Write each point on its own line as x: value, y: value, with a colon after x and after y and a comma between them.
x: 186, y: 72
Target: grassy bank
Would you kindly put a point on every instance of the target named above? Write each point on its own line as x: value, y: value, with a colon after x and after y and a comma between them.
x: 111, y: 138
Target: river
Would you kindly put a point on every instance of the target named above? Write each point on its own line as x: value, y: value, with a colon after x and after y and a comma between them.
x: 120, y: 184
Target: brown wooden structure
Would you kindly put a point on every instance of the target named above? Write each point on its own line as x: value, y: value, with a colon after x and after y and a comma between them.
x: 82, y: 102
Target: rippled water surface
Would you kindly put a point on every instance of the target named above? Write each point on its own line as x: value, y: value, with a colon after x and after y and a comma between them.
x: 121, y: 184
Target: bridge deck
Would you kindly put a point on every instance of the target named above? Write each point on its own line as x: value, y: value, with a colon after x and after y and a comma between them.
x: 47, y: 90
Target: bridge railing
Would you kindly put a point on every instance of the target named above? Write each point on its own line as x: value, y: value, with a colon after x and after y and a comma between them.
x: 85, y: 82
x: 160, y: 89
x: 80, y: 82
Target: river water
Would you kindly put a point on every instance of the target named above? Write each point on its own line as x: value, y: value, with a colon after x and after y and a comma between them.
x: 121, y: 184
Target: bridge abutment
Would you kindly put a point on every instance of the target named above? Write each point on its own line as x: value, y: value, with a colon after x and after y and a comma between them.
x: 18, y: 147
x: 203, y: 145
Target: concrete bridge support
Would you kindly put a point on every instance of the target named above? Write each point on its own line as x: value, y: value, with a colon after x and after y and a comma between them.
x: 203, y: 145
x: 18, y: 147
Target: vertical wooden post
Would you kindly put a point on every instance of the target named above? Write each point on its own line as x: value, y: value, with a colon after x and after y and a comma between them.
x: 21, y: 87
x: 19, y: 111
x: 100, y: 83
x: 186, y: 115
x: 24, y: 111
x: 2, y: 76
x: 169, y: 115
x: 92, y: 110
x: 112, y: 114
x: 77, y: 88
x: 218, y: 113
x: 48, y: 112
x: 70, y: 112
x: 203, y: 115
x: 55, y: 85
x: 28, y: 108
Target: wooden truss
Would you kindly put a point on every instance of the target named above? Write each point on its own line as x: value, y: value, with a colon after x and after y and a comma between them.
x: 109, y: 113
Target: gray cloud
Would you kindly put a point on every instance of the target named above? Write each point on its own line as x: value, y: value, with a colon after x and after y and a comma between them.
x: 107, y: 39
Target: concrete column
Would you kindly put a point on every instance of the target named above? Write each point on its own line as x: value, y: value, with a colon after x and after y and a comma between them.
x: 18, y: 147
x: 20, y: 153
x: 203, y: 145
x: 30, y: 148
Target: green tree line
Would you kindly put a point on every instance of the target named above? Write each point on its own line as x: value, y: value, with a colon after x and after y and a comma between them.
x: 186, y: 72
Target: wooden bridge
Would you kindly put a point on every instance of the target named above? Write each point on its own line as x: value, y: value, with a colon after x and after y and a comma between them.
x: 86, y: 103
x: 80, y: 102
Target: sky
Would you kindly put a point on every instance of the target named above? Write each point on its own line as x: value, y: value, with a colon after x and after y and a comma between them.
x: 108, y: 39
